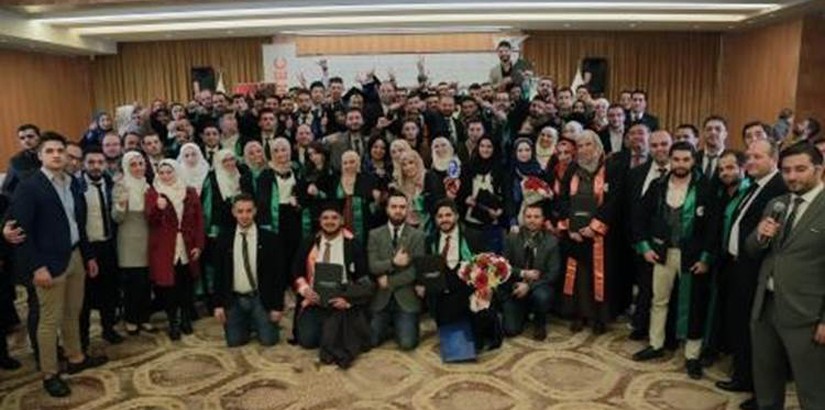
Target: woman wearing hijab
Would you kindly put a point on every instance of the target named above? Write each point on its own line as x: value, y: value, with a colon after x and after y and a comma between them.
x: 177, y: 239
x: 193, y: 166
x: 101, y: 125
x: 586, y: 207
x: 482, y: 196
x: 133, y: 241
x: 443, y: 179
x: 546, y: 147
x: 276, y: 193
x: 359, y: 197
x: 411, y: 183
x: 525, y: 166
x: 254, y: 161
x: 222, y: 184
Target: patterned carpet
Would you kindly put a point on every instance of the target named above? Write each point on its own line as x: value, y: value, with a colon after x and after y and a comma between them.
x: 566, y: 372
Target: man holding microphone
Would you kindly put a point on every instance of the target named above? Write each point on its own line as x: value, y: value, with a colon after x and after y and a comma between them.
x: 788, y: 317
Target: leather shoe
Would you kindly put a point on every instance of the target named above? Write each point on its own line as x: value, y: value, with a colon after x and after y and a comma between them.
x: 694, y: 369
x: 749, y: 404
x: 733, y: 386
x: 648, y: 353
x: 88, y: 362
x: 56, y: 387
x: 9, y: 363
x: 576, y: 326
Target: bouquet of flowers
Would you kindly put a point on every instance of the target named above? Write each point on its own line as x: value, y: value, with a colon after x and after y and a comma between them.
x: 484, y: 273
x: 535, y: 189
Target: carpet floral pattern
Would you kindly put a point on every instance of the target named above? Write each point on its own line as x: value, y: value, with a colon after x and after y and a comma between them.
x: 565, y: 372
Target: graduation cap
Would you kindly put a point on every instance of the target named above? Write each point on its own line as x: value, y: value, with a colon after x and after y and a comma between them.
x: 352, y: 92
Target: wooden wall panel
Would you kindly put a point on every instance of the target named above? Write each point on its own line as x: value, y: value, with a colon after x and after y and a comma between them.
x: 397, y: 43
x: 678, y: 70
x: 810, y: 93
x: 53, y: 92
x: 758, y: 74
x: 148, y: 70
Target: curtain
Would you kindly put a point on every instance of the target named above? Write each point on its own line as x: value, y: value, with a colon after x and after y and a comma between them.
x: 148, y: 70
x: 678, y: 70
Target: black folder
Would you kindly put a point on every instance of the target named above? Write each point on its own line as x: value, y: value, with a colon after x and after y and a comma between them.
x: 429, y: 270
x: 485, y: 200
x: 328, y: 282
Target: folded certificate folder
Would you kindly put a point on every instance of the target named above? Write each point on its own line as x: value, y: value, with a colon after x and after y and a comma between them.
x: 457, y: 342
x: 328, y: 281
x: 485, y: 200
x: 429, y: 271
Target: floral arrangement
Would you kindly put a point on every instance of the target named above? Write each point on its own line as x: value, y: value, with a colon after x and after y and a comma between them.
x: 535, y: 189
x: 484, y: 273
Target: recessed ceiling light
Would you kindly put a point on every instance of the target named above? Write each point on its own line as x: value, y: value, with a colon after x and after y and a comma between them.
x: 632, y: 25
x: 730, y: 27
x: 696, y: 26
x: 230, y: 31
x: 566, y: 25
x: 168, y: 35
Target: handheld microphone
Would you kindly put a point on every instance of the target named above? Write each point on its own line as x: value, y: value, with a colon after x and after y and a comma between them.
x: 778, y: 211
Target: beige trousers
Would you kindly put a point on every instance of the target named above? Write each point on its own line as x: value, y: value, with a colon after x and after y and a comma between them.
x: 664, y: 276
x: 60, y: 306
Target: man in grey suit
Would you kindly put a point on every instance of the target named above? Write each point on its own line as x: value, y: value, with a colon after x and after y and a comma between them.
x: 391, y: 250
x: 788, y: 317
x: 351, y: 139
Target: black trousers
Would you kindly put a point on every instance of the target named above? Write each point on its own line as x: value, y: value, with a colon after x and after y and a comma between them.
x: 644, y: 282
x: 102, y: 292
x: 739, y: 296
x: 178, y: 298
x: 137, y: 295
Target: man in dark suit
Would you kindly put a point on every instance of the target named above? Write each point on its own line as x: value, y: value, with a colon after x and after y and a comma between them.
x: 534, y: 257
x: 788, y: 316
x: 351, y: 139
x: 391, y: 250
x: 25, y: 162
x: 714, y: 136
x: 639, y: 180
x: 638, y: 111
x: 249, y: 281
x: 738, y: 266
x: 674, y: 230
x: 613, y: 135
x: 50, y: 208
x: 443, y: 124
x: 340, y: 328
x: 102, y: 292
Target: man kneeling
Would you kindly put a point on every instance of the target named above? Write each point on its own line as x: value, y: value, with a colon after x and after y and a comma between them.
x: 249, y: 281
x: 339, y: 326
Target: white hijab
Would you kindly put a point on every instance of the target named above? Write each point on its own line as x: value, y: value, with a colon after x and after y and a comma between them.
x: 192, y: 176
x: 176, y: 192
x: 443, y: 163
x: 228, y: 183
x: 135, y: 187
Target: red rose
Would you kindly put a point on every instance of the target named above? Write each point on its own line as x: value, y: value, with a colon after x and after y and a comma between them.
x: 481, y: 281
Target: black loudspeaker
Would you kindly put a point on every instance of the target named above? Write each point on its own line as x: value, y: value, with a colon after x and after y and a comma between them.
x: 594, y: 74
x: 203, y: 78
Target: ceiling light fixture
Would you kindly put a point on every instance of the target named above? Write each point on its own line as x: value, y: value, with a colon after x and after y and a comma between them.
x: 398, y: 30
x: 235, y: 12
x: 408, y: 19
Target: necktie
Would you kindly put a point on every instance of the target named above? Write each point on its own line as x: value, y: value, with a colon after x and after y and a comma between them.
x: 395, y: 237
x: 662, y: 171
x: 445, y: 251
x: 786, y: 230
x: 637, y: 160
x: 247, y: 266
x: 747, y: 197
x: 709, y: 167
x: 327, y: 252
x: 104, y: 208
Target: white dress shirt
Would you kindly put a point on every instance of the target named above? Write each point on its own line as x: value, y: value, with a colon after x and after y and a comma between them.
x: 733, y: 238
x: 336, y: 252
x: 654, y: 174
x: 241, y: 281
x: 285, y: 188
x: 616, y: 140
x: 95, y: 228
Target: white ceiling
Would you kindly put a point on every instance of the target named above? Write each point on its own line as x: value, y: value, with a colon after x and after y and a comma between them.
x: 96, y: 28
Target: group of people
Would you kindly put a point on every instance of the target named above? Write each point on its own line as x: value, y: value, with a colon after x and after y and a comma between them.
x: 230, y: 202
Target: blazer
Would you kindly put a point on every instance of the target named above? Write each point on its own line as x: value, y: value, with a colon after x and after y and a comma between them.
x: 163, y: 231
x: 271, y: 272
x: 648, y: 119
x: 38, y: 210
x: 796, y: 265
x: 22, y: 165
x: 359, y: 288
x: 401, y: 280
x: 547, y: 261
x: 753, y: 215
